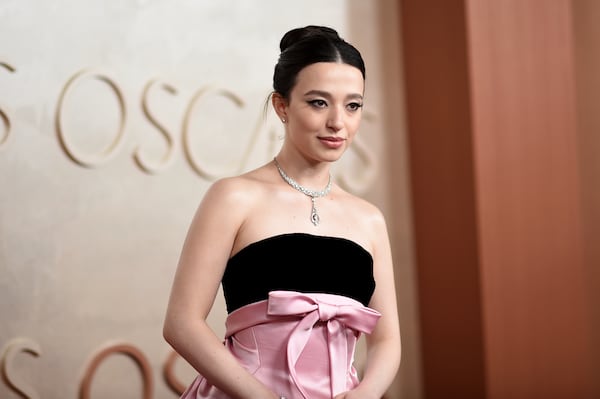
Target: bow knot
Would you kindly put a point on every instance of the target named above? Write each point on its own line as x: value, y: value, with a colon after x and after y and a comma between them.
x: 327, y: 311
x: 338, y: 312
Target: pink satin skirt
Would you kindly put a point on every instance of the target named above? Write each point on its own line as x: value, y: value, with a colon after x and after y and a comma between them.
x: 300, y: 345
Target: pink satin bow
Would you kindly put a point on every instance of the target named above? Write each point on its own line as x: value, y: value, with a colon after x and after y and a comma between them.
x: 338, y: 315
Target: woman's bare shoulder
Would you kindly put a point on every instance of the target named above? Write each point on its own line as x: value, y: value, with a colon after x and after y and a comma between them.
x: 366, y: 217
x: 226, y: 205
x: 238, y: 191
x: 366, y: 210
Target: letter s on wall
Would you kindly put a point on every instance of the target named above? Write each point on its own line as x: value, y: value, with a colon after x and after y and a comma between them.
x: 123, y: 348
x: 3, y: 116
x: 166, y: 159
x: 360, y: 183
x: 169, y: 374
x: 13, y: 348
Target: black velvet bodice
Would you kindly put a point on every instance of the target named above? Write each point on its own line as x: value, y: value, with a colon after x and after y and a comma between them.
x: 298, y: 262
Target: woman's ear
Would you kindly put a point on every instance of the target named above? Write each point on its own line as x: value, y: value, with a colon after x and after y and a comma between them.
x: 280, y: 105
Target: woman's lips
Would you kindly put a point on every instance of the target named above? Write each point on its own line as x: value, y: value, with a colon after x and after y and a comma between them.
x: 332, y: 142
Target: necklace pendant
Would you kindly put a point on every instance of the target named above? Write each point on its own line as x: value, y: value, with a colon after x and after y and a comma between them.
x: 314, y: 216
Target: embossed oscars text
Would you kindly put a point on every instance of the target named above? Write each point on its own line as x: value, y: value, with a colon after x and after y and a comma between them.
x: 93, y: 160
x: 355, y: 180
x: 22, y: 344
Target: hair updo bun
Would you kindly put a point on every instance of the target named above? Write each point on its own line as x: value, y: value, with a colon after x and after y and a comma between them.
x: 298, y: 34
x: 301, y: 47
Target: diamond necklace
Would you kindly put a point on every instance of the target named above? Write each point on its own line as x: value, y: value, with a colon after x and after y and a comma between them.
x: 314, y: 216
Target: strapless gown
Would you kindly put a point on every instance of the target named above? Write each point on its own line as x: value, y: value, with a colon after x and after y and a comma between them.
x: 296, y: 328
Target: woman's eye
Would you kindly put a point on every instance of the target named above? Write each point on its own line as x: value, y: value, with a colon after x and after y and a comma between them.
x: 318, y: 103
x: 354, y: 106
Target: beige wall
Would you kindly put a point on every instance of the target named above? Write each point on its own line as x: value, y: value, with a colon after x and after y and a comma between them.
x: 107, y: 143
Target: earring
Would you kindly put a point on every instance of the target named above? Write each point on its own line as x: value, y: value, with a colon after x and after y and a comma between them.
x: 283, y: 120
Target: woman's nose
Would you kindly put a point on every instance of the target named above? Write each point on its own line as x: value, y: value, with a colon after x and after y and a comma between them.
x: 336, y: 120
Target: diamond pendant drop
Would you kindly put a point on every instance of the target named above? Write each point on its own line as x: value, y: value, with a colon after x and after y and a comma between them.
x: 314, y: 216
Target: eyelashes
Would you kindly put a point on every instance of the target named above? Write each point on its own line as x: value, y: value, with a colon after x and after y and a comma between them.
x: 318, y: 103
x: 355, y: 106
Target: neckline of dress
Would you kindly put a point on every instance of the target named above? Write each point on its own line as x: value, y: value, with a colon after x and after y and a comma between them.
x: 262, y: 241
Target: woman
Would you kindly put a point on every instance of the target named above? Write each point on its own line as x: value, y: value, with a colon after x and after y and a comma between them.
x: 306, y: 267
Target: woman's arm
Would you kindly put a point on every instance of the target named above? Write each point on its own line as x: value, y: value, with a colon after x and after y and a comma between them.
x: 203, y: 258
x: 383, y: 344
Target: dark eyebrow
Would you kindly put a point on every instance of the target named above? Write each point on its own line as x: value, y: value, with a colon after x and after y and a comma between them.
x: 327, y: 95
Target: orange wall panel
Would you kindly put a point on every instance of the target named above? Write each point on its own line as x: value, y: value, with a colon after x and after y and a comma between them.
x: 525, y: 151
x: 490, y: 94
x: 440, y: 146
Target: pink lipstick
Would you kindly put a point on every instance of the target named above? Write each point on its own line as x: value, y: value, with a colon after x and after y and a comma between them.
x: 332, y: 142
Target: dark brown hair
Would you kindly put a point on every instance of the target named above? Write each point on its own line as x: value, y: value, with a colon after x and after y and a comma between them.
x: 301, y: 47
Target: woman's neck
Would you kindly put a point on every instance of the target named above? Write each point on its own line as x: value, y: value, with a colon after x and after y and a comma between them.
x: 312, y: 175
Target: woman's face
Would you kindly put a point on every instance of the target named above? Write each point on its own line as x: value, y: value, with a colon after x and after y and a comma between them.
x: 324, y: 110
